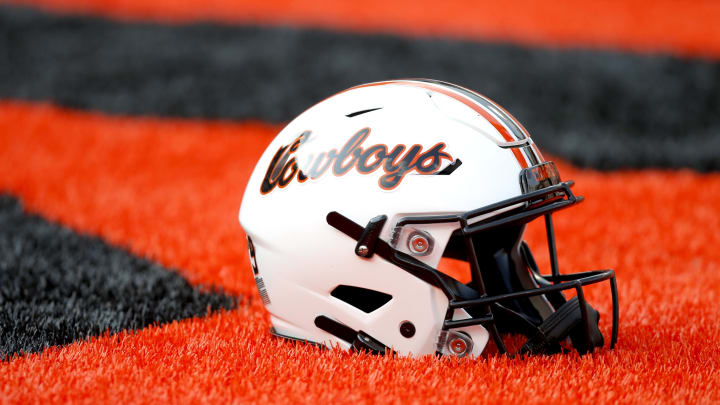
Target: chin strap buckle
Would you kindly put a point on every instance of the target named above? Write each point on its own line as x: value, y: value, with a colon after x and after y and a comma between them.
x: 366, y: 244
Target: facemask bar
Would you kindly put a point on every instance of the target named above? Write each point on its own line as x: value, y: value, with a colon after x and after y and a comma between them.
x: 525, y: 208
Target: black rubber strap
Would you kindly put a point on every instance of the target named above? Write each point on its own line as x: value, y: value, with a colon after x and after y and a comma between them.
x: 361, y: 341
x: 365, y: 343
x: 365, y: 246
x: 335, y: 328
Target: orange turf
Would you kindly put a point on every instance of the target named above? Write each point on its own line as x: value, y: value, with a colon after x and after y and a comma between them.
x: 689, y: 28
x: 170, y: 190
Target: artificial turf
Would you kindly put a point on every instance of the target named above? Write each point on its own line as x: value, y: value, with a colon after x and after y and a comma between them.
x: 168, y: 189
x: 176, y: 203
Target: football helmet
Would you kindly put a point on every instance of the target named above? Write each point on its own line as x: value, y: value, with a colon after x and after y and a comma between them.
x: 352, y: 206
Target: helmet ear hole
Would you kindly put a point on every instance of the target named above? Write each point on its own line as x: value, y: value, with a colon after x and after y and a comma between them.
x: 364, y: 299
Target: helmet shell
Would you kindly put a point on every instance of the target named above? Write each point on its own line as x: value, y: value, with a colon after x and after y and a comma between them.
x: 375, y: 150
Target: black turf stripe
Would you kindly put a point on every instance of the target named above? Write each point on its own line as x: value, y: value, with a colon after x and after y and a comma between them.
x: 600, y: 109
x: 57, y: 287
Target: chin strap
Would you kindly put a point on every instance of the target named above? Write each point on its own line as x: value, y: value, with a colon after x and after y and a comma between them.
x: 370, y: 235
x: 566, y: 321
x: 360, y: 341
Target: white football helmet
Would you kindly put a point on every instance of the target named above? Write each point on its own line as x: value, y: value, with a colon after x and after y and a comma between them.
x: 355, y: 202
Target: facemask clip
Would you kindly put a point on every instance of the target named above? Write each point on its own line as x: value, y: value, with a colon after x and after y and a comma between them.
x: 454, y: 343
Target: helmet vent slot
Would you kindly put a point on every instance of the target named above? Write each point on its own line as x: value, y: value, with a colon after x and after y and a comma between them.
x: 363, y: 299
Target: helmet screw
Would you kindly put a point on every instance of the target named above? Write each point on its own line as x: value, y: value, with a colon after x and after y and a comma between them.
x: 419, y: 244
x: 458, y: 346
x: 407, y: 329
x: 362, y: 250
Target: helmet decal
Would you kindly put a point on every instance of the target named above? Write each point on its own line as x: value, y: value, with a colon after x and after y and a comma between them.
x: 395, y: 162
